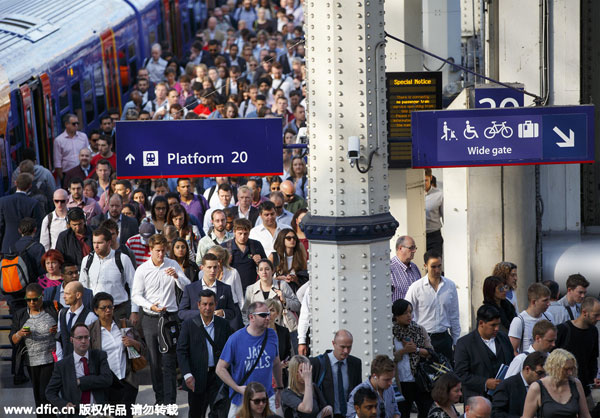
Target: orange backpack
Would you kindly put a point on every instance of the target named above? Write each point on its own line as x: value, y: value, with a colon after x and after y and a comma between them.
x: 14, y: 272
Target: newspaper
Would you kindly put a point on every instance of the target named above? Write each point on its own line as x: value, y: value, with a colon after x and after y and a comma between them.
x: 131, y: 351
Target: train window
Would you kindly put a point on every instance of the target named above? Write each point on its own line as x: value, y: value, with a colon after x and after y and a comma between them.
x: 99, y: 90
x: 63, y: 99
x: 76, y: 101
x: 123, y: 69
x: 87, y: 84
x: 152, y: 37
x: 132, y: 62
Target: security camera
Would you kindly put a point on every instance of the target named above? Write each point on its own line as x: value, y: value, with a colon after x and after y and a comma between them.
x: 302, y: 137
x: 353, y: 150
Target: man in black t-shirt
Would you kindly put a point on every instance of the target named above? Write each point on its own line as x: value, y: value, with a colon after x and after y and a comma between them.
x: 580, y: 337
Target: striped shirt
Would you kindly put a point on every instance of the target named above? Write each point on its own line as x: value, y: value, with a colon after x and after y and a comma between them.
x: 402, y: 277
x: 140, y: 250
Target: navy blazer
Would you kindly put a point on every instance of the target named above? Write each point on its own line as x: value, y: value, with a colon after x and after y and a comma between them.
x: 192, y: 351
x: 13, y: 208
x: 63, y: 388
x: 509, y: 398
x: 188, y: 307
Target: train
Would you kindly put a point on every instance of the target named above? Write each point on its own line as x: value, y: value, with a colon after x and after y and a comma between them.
x: 75, y: 56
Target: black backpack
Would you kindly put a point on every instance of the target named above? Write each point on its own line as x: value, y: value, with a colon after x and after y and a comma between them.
x: 118, y: 262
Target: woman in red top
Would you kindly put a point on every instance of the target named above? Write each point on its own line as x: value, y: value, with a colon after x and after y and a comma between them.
x: 52, y: 260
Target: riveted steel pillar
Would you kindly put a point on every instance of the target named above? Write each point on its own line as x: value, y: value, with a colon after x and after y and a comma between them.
x: 349, y: 224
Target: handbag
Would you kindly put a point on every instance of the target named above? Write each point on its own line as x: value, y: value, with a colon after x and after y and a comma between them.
x: 140, y: 362
x: 289, y: 319
x: 168, y: 333
x: 223, y: 393
x: 428, y: 370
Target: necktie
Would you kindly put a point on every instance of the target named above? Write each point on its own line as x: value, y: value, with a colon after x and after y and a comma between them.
x: 341, y: 393
x: 85, y: 396
x: 70, y: 322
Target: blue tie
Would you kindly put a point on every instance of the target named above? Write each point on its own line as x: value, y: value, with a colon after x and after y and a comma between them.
x: 341, y: 392
x: 70, y: 322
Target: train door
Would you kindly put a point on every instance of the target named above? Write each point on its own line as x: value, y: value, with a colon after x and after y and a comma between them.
x: 26, y: 102
x: 111, y: 69
x: 42, y: 105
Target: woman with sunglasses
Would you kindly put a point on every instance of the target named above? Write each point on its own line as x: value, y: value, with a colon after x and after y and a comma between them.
x: 106, y: 335
x: 255, y: 403
x: 494, y: 293
x: 302, y: 398
x: 32, y: 335
x: 180, y: 252
x: 295, y: 224
x: 267, y: 288
x: 290, y: 258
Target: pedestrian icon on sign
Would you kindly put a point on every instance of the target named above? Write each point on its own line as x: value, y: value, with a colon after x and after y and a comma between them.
x: 150, y: 158
x: 448, y: 133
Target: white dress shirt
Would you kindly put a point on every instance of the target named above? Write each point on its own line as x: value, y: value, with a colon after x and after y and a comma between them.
x: 152, y: 285
x: 104, y: 276
x: 89, y: 319
x: 58, y: 225
x: 262, y: 234
x: 112, y: 343
x: 79, y: 371
x: 491, y: 344
x: 285, y: 218
x: 305, y: 315
x: 436, y: 311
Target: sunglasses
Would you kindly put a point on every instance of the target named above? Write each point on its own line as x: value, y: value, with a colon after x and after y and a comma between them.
x: 261, y: 314
x: 33, y: 299
x: 259, y: 401
x: 60, y: 201
x: 289, y: 238
x: 106, y: 308
x: 75, y: 123
x: 288, y: 195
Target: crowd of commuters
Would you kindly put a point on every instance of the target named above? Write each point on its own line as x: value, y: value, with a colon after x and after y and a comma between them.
x: 116, y: 267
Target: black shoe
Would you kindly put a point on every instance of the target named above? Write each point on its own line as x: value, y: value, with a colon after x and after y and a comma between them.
x: 20, y: 379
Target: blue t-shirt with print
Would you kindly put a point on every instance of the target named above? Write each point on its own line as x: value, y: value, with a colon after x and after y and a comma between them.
x: 241, y: 351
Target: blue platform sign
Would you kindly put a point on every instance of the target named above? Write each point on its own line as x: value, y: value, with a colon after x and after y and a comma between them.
x: 508, y: 136
x: 199, y: 148
x: 492, y: 97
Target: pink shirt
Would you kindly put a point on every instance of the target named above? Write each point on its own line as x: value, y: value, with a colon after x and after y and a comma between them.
x: 66, y: 150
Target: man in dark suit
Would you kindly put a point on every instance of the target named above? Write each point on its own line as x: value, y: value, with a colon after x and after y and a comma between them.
x: 479, y: 354
x: 337, y: 366
x: 15, y: 207
x: 188, y: 307
x: 81, y: 377
x: 244, y: 208
x: 200, y: 343
x: 82, y: 170
x: 128, y: 226
x: 509, y: 397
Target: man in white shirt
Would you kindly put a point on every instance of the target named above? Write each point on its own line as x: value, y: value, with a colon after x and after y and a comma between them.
x: 434, y: 213
x: 435, y: 305
x: 76, y: 313
x: 156, y: 65
x: 101, y: 272
x: 520, y: 332
x: 154, y: 291
x: 55, y: 222
x: 544, y: 339
x: 267, y: 232
x: 224, y: 192
x: 68, y: 144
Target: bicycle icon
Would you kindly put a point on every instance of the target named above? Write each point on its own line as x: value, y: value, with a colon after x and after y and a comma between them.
x: 470, y: 132
x: 498, y: 128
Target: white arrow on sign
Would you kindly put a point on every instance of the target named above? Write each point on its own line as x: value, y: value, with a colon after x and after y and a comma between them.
x: 130, y: 158
x: 569, y: 141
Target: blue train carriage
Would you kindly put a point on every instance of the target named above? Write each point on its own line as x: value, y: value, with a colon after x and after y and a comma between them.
x: 74, y: 56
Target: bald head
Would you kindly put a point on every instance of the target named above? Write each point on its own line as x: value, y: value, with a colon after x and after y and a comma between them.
x: 288, y: 189
x: 60, y: 194
x: 115, y: 205
x: 342, y: 344
x: 478, y: 407
x: 74, y: 287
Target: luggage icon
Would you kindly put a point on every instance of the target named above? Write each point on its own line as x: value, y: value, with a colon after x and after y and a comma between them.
x: 528, y: 129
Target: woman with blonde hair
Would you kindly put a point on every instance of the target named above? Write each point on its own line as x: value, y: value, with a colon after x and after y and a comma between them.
x: 560, y: 393
x: 255, y: 403
x: 283, y: 334
x: 302, y: 398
